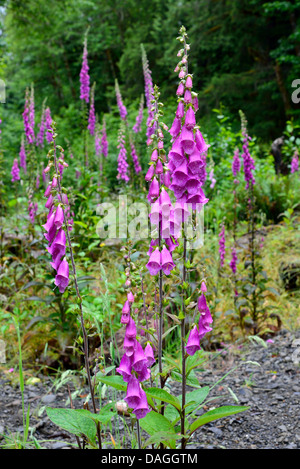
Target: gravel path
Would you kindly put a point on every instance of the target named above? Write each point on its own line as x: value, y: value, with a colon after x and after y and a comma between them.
x: 272, y: 390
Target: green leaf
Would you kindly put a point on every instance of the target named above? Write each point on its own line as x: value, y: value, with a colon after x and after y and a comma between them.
x: 162, y: 395
x: 155, y: 423
x: 73, y: 421
x: 216, y: 414
x: 196, y: 397
x: 116, y: 382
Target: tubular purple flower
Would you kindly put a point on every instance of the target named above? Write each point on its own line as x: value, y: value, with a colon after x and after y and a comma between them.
x: 167, y: 263
x: 62, y: 277
x: 133, y: 395
x: 142, y: 408
x: 190, y: 120
x: 187, y: 140
x: 125, y: 368
x: 131, y: 329
x: 193, y: 343
x: 154, y: 264
x: 139, y: 361
x: 149, y: 354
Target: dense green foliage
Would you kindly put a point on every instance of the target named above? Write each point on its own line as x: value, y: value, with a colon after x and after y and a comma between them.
x: 245, y: 54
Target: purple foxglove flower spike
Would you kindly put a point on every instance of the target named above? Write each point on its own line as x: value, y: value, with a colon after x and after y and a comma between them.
x: 22, y: 156
x: 15, y: 171
x: 295, y: 163
x: 222, y: 246
x: 84, y: 75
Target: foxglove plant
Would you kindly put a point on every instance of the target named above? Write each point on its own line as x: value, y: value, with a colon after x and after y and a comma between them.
x: 84, y: 74
x: 161, y: 213
x: 148, y: 92
x: 222, y: 247
x: 295, y: 163
x: 187, y: 165
x: 139, y: 118
x: 122, y: 157
x: 92, y: 116
x: 42, y: 127
x: 48, y: 124
x: 15, y: 171
x: 121, y: 105
x: 104, y: 142
x: 57, y: 234
x: 28, y: 117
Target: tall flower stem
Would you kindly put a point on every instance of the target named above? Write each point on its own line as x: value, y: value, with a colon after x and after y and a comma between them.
x: 183, y: 353
x: 79, y: 298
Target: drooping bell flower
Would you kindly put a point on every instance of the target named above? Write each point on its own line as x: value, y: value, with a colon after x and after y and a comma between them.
x: 142, y: 408
x: 125, y: 318
x: 190, y: 120
x: 175, y: 128
x: 205, y: 318
x: 200, y: 142
x: 180, y: 175
x: 153, y: 190
x: 62, y: 277
x: 187, y: 140
x: 189, y: 82
x: 133, y: 395
x: 203, y: 287
x: 193, y: 343
x: 149, y: 354
x: 125, y: 368
x: 139, y: 361
x: 150, y: 173
x: 131, y: 329
x: 180, y: 110
x: 167, y: 263
x: 154, y: 264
